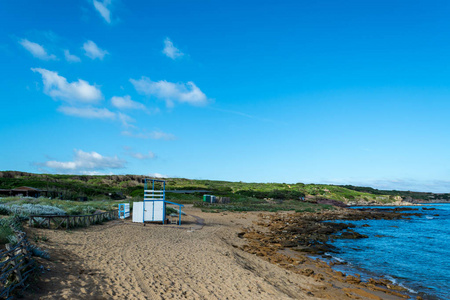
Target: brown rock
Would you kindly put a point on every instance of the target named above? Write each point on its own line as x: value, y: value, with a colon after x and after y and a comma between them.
x: 352, y: 279
x: 307, y: 272
x: 359, y: 292
x: 319, y: 277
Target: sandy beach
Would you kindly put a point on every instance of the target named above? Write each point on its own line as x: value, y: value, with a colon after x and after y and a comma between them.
x: 204, y: 258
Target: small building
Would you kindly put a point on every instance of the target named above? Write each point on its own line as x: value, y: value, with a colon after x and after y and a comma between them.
x: 209, y: 198
x: 153, y: 208
x: 24, y: 191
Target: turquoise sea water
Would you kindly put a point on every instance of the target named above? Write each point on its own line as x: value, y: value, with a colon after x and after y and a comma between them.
x: 414, y: 253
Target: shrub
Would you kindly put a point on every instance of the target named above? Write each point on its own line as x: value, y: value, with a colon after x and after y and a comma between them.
x: 4, y: 210
x: 24, y: 210
x: 138, y: 193
x: 5, y: 231
x: 171, y: 210
x: 7, y: 227
x: 80, y: 210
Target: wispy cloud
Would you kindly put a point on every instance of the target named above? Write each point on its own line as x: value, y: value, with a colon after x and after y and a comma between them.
x: 171, y: 92
x: 155, y: 135
x: 57, y: 87
x: 126, y: 120
x: 98, y: 113
x: 87, y: 112
x: 170, y: 50
x: 93, y: 51
x: 138, y: 155
x: 71, y: 58
x: 84, y: 162
x: 102, y: 8
x: 125, y: 102
x: 37, y: 50
x: 149, y: 155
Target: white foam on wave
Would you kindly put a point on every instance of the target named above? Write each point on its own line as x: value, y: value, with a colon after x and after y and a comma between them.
x: 334, y: 257
x: 395, y: 281
x: 338, y: 259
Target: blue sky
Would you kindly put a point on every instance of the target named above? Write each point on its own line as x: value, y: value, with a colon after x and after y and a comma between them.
x: 342, y: 92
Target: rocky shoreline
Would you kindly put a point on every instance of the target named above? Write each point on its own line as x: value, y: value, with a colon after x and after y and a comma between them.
x: 289, y: 239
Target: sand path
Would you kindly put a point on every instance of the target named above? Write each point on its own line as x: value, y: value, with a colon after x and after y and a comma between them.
x: 198, y: 260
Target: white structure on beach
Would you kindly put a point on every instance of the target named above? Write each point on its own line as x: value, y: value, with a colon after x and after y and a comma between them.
x: 153, y: 208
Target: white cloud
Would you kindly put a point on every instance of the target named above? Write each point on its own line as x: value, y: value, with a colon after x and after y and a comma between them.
x: 88, y: 112
x: 78, y: 91
x: 93, y: 51
x: 141, y: 156
x: 36, y: 50
x: 126, y: 120
x: 171, y: 92
x: 85, y: 162
x: 138, y: 155
x: 95, y: 173
x: 71, y: 58
x: 170, y: 50
x: 126, y: 103
x: 155, y: 135
x: 97, y: 113
x: 102, y: 8
x: 158, y: 175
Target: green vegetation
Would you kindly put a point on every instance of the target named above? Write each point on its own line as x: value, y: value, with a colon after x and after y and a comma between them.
x: 6, y: 231
x: 408, y: 195
x: 64, y: 193
x: 72, y: 187
x: 170, y: 210
x: 51, y: 206
x: 254, y: 204
x: 102, y: 190
x: 184, y: 198
x: 64, y: 186
x: 16, y: 209
x: 7, y: 227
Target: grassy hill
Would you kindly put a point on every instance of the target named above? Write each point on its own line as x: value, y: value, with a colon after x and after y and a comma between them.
x: 406, y: 195
x: 96, y: 187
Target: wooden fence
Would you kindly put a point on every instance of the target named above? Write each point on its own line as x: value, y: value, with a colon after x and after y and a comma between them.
x: 66, y: 222
x: 16, y: 266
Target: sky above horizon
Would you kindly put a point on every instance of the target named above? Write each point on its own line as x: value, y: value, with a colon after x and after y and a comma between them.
x: 338, y: 92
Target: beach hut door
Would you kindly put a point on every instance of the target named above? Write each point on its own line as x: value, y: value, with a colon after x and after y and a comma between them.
x: 148, y: 211
x: 154, y: 210
x: 158, y: 206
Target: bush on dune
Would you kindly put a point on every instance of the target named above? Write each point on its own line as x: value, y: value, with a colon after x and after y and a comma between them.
x: 27, y: 209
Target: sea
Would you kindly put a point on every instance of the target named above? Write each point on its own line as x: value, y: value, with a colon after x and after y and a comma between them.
x: 413, y: 253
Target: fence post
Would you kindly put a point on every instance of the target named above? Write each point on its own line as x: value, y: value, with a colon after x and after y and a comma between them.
x: 13, y: 262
